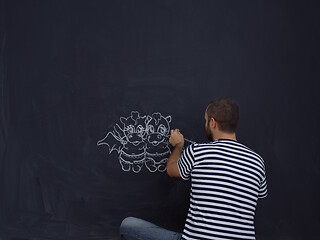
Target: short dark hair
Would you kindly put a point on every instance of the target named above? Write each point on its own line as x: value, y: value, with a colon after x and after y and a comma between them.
x: 226, y: 113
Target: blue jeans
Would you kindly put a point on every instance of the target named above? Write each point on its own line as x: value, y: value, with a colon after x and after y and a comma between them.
x: 137, y: 229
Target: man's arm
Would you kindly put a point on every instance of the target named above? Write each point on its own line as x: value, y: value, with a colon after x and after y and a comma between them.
x: 177, y: 141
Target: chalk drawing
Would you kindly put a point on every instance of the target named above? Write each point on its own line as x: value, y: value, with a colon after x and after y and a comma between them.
x: 141, y: 141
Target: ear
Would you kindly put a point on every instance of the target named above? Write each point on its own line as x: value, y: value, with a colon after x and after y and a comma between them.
x: 148, y: 119
x: 168, y: 119
x: 213, y: 123
x: 123, y: 120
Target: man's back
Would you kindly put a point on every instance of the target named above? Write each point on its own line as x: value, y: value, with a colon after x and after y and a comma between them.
x: 227, y: 180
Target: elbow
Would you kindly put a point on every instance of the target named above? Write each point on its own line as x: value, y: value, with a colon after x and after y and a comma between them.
x: 169, y: 172
x: 173, y: 171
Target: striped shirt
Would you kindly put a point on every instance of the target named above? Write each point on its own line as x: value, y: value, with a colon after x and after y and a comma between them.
x: 227, y: 178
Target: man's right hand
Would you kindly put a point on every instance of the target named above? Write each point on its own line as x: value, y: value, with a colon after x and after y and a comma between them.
x: 176, y: 138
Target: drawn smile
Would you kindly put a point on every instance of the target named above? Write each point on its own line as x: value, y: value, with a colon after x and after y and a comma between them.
x: 155, y: 143
x: 136, y: 143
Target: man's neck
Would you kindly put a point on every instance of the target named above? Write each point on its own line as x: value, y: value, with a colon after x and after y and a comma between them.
x: 228, y: 136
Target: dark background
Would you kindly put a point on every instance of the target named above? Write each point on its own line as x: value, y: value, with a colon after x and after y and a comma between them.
x: 70, y: 69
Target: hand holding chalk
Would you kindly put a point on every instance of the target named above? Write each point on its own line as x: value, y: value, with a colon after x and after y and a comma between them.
x: 176, y: 138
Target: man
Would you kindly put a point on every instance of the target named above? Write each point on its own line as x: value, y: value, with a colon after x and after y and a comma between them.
x: 227, y: 178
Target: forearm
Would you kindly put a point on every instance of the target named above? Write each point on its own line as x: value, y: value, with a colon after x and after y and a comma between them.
x: 172, y: 164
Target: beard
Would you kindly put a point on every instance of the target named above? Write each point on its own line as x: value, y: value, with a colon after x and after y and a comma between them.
x: 209, y: 133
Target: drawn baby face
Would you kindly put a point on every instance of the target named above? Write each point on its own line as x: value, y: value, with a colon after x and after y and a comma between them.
x: 134, y: 128
x: 158, y: 129
x: 134, y: 134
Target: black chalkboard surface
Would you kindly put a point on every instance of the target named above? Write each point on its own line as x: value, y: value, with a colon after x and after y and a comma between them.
x: 90, y: 89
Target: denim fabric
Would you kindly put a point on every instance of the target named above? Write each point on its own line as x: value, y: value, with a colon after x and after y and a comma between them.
x: 137, y: 229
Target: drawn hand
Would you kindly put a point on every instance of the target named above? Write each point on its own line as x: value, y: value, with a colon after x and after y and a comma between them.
x: 176, y: 138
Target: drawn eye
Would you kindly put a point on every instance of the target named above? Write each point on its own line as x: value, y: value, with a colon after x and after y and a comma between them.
x: 130, y: 129
x: 151, y: 129
x: 140, y: 129
x: 162, y: 129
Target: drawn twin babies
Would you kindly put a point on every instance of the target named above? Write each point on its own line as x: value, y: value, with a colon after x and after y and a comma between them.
x: 140, y: 141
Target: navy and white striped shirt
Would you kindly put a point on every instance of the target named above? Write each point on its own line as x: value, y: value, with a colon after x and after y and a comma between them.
x: 227, y: 178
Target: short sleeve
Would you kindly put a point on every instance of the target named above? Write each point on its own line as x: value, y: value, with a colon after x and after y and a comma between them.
x: 186, y: 162
x: 263, y: 190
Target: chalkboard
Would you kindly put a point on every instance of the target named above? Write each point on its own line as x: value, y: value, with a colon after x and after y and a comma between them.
x: 90, y: 89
